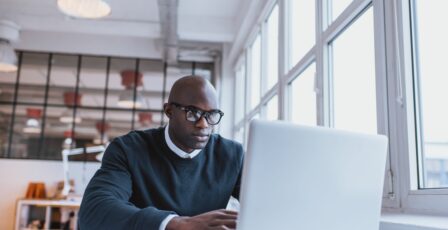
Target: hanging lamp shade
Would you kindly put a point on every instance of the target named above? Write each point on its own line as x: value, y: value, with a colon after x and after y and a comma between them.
x: 101, y: 136
x: 145, y: 118
x: 129, y: 79
x: 71, y: 99
x: 84, y: 8
x: 32, y: 123
x: 9, y: 32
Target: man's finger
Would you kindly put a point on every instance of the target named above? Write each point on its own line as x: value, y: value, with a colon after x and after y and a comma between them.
x: 230, y: 223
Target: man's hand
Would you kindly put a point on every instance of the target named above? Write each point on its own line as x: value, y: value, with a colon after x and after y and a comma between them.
x: 218, y: 219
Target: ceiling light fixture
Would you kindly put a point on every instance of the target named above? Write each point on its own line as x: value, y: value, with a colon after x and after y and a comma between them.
x: 84, y: 8
x: 129, y: 79
x: 9, y: 32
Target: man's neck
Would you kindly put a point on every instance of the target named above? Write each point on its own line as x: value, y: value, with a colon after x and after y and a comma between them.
x: 175, y: 147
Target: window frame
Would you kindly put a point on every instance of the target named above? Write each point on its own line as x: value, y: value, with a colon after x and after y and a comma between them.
x: 412, y: 198
x: 396, y: 115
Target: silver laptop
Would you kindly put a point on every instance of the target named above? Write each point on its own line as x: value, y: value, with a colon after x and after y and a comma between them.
x: 311, y: 178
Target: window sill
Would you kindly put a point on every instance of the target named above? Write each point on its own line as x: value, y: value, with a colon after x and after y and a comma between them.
x: 402, y: 221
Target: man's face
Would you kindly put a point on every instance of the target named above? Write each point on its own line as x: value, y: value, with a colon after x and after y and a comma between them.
x: 189, y: 135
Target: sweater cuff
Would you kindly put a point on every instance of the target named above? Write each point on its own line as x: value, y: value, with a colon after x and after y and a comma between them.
x: 166, y: 221
x: 152, y: 218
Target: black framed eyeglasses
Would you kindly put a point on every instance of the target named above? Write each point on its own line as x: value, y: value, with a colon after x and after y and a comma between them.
x: 193, y: 114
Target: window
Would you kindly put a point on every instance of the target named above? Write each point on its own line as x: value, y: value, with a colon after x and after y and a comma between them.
x: 301, y: 29
x: 338, y: 6
x: 303, y: 97
x: 255, y: 72
x: 373, y: 67
x: 430, y: 78
x: 272, y: 109
x: 353, y: 78
x: 272, y: 49
x: 239, y: 93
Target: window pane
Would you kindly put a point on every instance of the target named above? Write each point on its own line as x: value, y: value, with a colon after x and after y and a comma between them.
x: 146, y: 119
x: 255, y: 72
x: 33, y: 78
x: 272, y: 109
x: 26, y: 133
x: 5, y: 121
x: 152, y: 88
x: 122, y: 78
x: 63, y: 77
x: 7, y: 86
x: 338, y: 6
x: 239, y: 93
x: 354, y: 90
x: 432, y: 49
x: 120, y: 123
x: 303, y: 97
x: 272, y: 49
x: 302, y: 29
x: 92, y: 81
x: 56, y: 131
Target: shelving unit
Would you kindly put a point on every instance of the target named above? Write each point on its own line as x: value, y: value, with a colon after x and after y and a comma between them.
x: 27, y: 210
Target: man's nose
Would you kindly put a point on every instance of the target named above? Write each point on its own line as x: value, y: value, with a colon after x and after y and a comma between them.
x: 202, y: 123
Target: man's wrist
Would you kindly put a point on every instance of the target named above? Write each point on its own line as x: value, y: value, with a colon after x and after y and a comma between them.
x: 175, y: 223
x: 163, y: 225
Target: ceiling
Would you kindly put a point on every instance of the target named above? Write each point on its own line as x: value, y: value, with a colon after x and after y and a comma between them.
x: 133, y: 24
x: 198, y: 20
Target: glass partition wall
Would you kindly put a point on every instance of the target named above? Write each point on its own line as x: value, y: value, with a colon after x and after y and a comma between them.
x: 57, y: 101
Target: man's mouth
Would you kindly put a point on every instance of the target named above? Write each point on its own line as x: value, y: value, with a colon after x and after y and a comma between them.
x: 200, y: 138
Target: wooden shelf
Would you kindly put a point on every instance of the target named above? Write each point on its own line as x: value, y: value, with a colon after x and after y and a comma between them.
x: 24, y: 209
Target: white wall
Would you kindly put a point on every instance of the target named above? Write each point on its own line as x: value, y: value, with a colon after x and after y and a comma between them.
x: 16, y: 174
x: 76, y: 43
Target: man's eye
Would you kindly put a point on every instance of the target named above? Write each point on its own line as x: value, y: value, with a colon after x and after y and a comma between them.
x: 194, y: 112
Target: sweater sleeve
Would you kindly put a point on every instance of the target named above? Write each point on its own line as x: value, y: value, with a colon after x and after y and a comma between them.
x: 106, y: 205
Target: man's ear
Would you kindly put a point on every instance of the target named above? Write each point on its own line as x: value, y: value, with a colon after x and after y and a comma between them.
x: 167, y: 110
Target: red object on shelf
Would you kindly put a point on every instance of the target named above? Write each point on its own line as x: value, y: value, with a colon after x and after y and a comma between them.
x: 145, y: 118
x: 102, y: 127
x: 69, y: 134
x: 129, y: 78
x: 33, y: 113
x: 72, y: 99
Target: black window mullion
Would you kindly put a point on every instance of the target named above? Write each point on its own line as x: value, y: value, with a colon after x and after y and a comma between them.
x: 136, y: 73
x: 14, y: 104
x: 44, y: 113
x: 162, y: 113
x: 106, y: 92
x: 75, y: 104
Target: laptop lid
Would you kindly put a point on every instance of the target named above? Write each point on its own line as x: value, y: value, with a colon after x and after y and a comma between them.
x: 311, y: 178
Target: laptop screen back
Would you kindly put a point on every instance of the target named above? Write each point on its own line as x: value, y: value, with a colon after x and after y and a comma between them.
x: 311, y: 178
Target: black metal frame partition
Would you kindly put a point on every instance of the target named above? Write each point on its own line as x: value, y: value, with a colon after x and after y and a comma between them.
x: 75, y: 106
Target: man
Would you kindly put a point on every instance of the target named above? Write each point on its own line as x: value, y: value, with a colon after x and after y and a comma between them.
x: 177, y: 177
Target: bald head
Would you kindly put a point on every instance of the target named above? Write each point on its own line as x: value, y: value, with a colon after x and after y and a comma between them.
x: 195, y: 93
x: 191, y: 90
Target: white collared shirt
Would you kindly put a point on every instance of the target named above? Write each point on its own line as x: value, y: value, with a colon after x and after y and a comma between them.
x: 176, y: 149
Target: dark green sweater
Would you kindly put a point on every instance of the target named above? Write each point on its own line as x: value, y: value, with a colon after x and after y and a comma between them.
x: 141, y: 181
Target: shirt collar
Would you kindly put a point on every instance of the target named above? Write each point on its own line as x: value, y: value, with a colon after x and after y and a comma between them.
x: 176, y: 149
